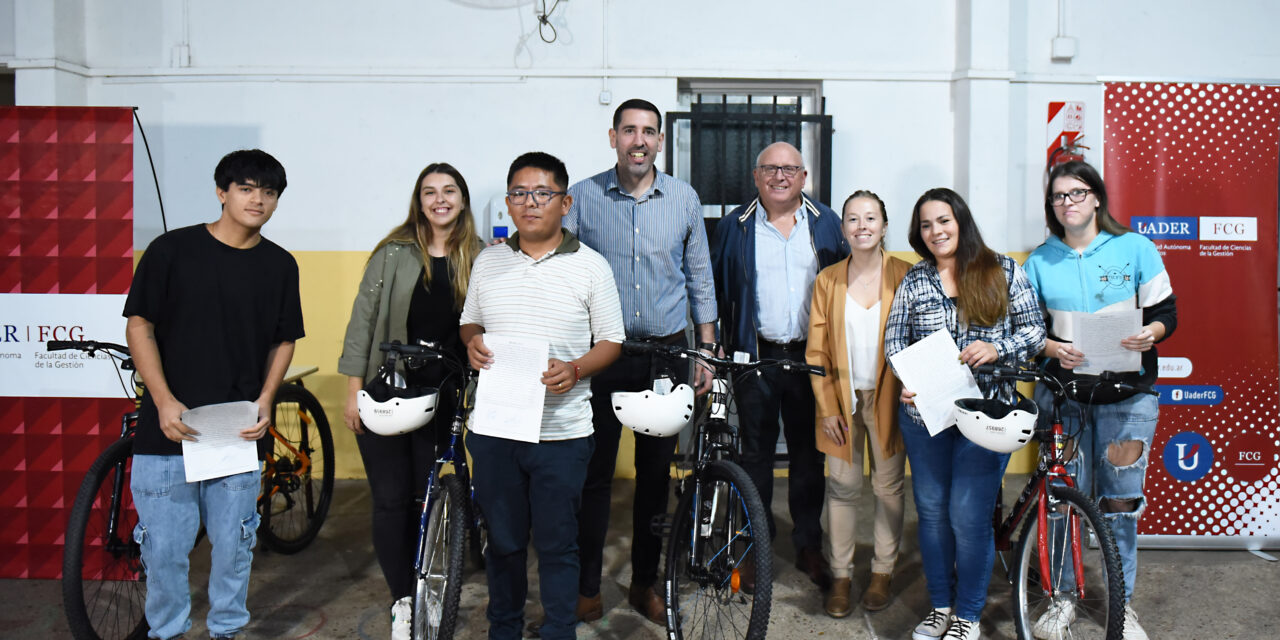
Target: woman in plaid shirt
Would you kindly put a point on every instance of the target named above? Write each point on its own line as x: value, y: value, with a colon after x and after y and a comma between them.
x: 984, y: 300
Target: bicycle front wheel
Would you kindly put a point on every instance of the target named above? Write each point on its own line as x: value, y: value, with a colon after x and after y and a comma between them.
x: 1085, y: 604
x: 104, y: 588
x: 439, y: 582
x: 720, y: 530
x: 297, y: 482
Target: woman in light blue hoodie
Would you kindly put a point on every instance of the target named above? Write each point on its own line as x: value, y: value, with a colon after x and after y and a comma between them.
x: 1093, y: 264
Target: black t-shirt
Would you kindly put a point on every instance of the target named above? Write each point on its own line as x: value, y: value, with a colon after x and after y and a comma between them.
x: 433, y: 316
x: 217, y: 312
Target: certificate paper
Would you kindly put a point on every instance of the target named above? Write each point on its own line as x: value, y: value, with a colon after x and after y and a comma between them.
x: 510, y: 393
x: 219, y: 450
x: 932, y: 369
x: 1098, y: 336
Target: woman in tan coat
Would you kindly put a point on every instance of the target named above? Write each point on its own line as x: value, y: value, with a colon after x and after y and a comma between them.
x: 858, y: 399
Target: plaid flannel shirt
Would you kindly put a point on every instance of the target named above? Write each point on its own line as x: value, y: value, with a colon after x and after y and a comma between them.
x: 921, y: 307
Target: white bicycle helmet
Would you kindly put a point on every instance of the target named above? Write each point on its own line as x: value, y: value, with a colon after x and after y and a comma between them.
x: 997, y: 425
x: 652, y: 413
x: 393, y: 409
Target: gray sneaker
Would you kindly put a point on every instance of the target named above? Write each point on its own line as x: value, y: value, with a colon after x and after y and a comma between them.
x: 961, y: 629
x: 933, y: 626
x: 1055, y: 622
x: 1132, y: 630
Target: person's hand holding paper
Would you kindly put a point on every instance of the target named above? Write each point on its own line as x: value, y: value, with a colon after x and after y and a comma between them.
x: 934, y: 377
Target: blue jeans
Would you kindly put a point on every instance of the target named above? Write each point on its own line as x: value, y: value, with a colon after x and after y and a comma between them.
x: 170, y: 511
x: 1128, y: 420
x: 954, y: 483
x: 522, y: 486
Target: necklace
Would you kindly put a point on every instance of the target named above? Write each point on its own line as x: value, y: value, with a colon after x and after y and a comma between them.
x: 866, y: 282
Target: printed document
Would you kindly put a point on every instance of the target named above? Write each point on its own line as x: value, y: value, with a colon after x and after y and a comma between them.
x: 219, y: 450
x: 510, y: 393
x: 932, y: 369
x: 1098, y: 336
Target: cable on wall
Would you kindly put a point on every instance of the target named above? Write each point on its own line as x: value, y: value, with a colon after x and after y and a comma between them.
x: 544, y: 22
x: 163, y: 223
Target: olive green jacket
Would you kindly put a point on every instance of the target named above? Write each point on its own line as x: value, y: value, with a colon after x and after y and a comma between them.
x: 380, y: 312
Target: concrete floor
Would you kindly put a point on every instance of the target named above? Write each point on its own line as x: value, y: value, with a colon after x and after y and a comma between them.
x: 334, y: 589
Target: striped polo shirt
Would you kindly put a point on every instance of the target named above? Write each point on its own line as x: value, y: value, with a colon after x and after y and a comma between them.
x: 566, y: 297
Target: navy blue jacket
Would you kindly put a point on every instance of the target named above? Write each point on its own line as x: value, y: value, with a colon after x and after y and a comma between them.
x: 733, y: 261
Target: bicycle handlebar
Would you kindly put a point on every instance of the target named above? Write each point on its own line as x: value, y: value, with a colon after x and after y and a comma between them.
x: 1027, y: 373
x: 425, y: 349
x: 415, y: 355
x: 88, y: 346
x: 642, y: 347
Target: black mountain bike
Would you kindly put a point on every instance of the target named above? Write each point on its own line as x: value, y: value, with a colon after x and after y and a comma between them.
x: 720, y: 526
x: 103, y: 580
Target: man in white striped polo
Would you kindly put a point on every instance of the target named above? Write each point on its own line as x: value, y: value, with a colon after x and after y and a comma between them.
x: 649, y: 226
x: 542, y: 284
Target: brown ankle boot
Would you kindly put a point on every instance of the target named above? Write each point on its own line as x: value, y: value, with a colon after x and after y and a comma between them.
x: 590, y: 609
x: 838, y: 605
x: 877, y: 595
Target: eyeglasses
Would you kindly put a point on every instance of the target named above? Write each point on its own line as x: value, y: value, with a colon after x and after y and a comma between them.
x: 788, y: 170
x: 1076, y: 195
x: 540, y: 196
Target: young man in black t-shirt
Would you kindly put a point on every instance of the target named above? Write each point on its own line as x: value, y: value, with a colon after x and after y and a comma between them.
x: 213, y: 315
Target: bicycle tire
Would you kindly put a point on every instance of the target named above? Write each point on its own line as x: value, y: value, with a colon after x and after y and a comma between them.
x: 727, y: 527
x: 294, y: 511
x: 104, y: 587
x: 438, y: 586
x: 1100, y: 612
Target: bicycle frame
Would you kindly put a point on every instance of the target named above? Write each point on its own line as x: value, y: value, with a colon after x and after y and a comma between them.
x: 454, y: 454
x: 114, y: 543
x: 1052, y: 468
x: 715, y: 439
x: 274, y: 466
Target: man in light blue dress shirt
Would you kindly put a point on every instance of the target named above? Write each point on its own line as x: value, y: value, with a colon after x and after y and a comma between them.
x: 765, y: 255
x: 649, y: 226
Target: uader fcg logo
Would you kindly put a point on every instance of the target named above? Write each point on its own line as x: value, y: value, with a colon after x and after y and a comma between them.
x: 1188, y: 456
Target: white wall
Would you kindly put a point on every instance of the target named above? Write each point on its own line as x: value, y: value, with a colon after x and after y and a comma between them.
x: 355, y: 99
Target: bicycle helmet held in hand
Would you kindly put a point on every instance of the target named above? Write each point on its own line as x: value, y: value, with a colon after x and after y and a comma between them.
x: 389, y: 408
x: 997, y: 425
x: 652, y: 413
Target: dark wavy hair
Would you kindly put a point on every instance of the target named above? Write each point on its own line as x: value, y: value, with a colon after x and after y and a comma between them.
x: 1084, y: 172
x: 250, y: 166
x: 983, y: 289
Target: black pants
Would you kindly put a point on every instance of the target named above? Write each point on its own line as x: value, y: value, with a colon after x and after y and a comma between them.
x: 653, y: 477
x: 397, y: 468
x: 761, y: 399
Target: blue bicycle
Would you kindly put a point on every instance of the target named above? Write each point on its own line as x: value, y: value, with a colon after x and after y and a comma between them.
x: 449, y: 511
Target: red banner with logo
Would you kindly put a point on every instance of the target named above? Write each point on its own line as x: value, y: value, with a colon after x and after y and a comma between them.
x: 66, y: 231
x: 1194, y: 167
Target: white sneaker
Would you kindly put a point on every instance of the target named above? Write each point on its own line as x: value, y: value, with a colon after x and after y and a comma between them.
x: 401, y: 615
x: 962, y: 630
x: 933, y: 626
x: 1132, y: 630
x: 1056, y: 621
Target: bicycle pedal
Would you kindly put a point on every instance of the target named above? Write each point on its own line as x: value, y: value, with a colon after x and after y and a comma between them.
x: 660, y: 525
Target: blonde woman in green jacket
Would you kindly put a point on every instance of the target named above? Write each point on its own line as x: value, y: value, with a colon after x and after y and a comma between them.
x: 412, y: 289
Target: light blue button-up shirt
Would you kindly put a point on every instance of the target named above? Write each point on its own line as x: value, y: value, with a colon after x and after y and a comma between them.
x: 656, y: 245
x: 785, y: 270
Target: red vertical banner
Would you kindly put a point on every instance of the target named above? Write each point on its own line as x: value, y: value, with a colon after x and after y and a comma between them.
x: 66, y: 227
x: 1195, y: 167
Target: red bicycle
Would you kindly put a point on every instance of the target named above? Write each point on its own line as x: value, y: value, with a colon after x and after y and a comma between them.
x: 1065, y: 569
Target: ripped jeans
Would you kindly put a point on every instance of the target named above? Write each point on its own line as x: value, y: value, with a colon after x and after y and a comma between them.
x: 170, y: 511
x: 1132, y: 419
